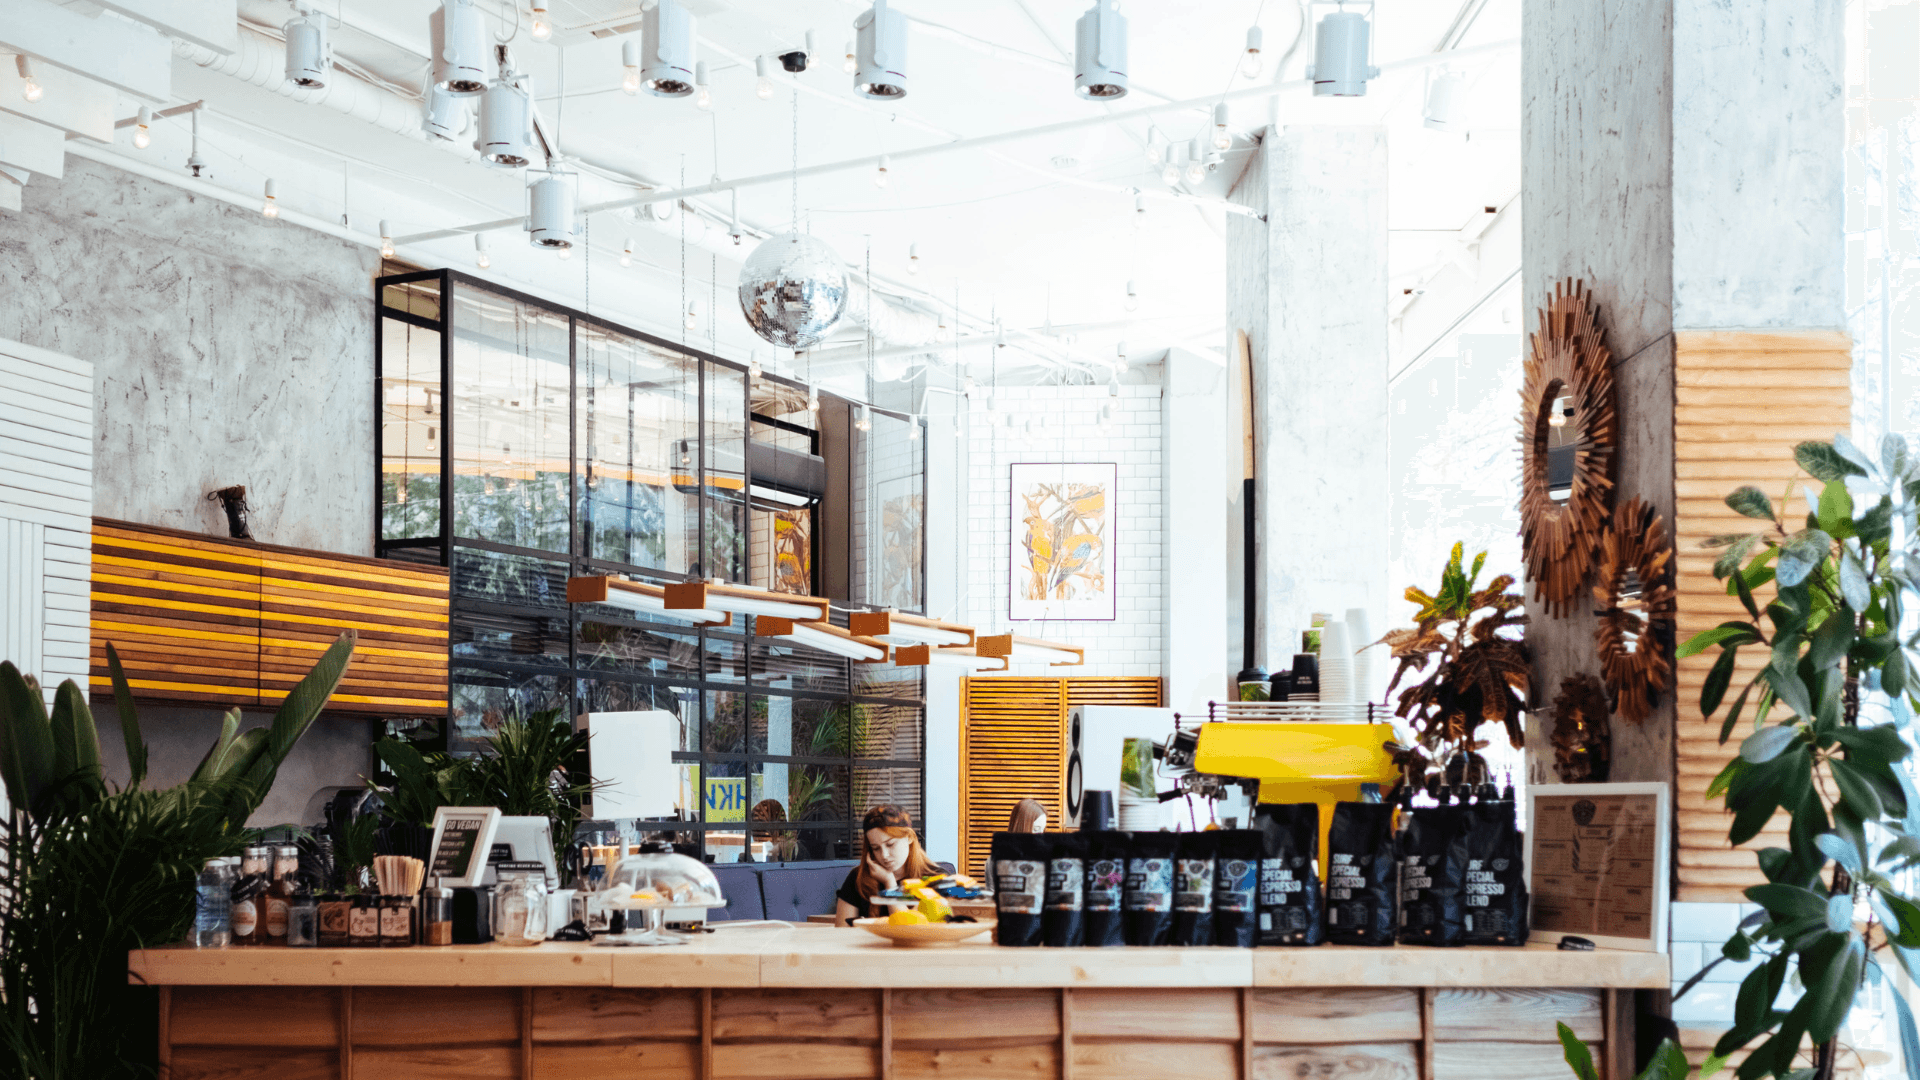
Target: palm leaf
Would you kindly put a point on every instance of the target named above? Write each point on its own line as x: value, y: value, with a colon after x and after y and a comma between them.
x: 296, y: 714
x: 26, y: 739
x: 76, y: 745
x: 129, y: 719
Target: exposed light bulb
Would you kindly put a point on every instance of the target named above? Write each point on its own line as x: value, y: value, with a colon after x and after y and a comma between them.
x: 1221, y: 139
x: 1196, y: 162
x: 880, y: 173
x: 693, y: 315
x: 142, y: 138
x: 913, y: 258
x: 966, y: 385
x: 630, y: 60
x: 850, y: 65
x: 754, y: 370
x: 626, y: 253
x: 480, y: 256
x: 865, y: 420
x: 29, y: 88
x: 1250, y: 61
x: 542, y: 24
x: 913, y: 429
x: 270, y: 207
x: 1170, y: 174
x: 565, y: 253
x: 386, y: 240
x: 1120, y: 351
x: 1133, y: 298
x: 813, y: 400
x: 702, y: 96
x: 764, y: 87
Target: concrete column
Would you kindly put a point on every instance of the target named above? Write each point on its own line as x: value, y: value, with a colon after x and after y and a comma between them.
x: 1309, y: 287
x: 1195, y: 652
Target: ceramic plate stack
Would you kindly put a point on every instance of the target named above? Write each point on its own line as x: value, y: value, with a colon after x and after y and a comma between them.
x: 1336, y: 663
x: 1359, y: 636
x: 1138, y: 814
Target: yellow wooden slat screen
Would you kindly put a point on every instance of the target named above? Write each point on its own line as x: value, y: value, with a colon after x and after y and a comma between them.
x: 1741, y: 402
x: 1013, y: 746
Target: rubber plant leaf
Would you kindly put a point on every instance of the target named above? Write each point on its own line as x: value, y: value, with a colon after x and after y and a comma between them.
x: 1827, y: 463
x: 1579, y: 1058
x: 129, y: 719
x: 76, y: 745
x: 26, y: 741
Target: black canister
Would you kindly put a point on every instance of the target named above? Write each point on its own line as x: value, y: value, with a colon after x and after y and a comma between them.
x: 1306, y: 676
x: 1280, y: 687
x: 1096, y: 811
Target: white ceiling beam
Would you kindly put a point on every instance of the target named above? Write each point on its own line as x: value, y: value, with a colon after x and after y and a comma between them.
x: 77, y: 106
x: 10, y: 197
x: 211, y: 23
x: 123, y: 55
x: 33, y: 147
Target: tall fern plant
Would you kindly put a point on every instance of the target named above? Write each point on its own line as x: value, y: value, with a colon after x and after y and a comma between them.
x: 90, y: 872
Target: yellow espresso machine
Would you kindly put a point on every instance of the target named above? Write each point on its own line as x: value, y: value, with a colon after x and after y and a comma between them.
x: 1299, y: 761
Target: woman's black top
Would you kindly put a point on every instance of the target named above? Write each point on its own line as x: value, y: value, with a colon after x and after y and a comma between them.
x: 850, y: 892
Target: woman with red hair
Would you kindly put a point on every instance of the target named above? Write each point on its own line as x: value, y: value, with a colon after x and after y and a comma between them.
x: 892, y: 854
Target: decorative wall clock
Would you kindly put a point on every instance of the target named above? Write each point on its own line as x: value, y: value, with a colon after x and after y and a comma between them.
x: 1568, y: 438
x: 1636, y: 603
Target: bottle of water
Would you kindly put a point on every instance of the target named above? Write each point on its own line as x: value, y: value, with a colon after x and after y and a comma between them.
x: 213, y: 905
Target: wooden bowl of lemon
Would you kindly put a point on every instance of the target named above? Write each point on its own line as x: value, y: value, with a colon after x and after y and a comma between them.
x: 910, y: 929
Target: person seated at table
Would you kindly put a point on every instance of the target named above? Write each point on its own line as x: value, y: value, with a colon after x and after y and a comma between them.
x: 892, y: 855
x: 1028, y: 817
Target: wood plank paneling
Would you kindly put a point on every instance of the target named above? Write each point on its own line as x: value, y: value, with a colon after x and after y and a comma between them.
x: 259, y: 1062
x: 438, y: 1063
x: 1501, y: 1060
x: 232, y: 622
x: 794, y: 1061
x: 967, y: 1060
x: 1203, y: 1014
x: 815, y: 1014
x: 302, y: 1016
x: 1131, y: 1059
x: 419, y: 1016
x: 1330, y: 1015
x: 653, y: 1060
x: 582, y: 1014
x: 1743, y: 400
x: 1375, y: 1061
x: 932, y: 1016
x: 1515, y: 1014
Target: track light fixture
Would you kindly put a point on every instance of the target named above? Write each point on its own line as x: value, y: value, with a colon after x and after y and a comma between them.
x: 702, y: 95
x: 445, y: 116
x: 550, y: 220
x: 542, y: 24
x: 481, y: 257
x: 460, y: 54
x: 880, y: 52
x: 880, y: 177
x: 309, y: 60
x: 630, y: 60
x: 1443, y: 102
x: 1251, y: 62
x: 1196, y: 161
x: 270, y: 206
x: 29, y: 87
x: 666, y: 50
x: 1100, y: 52
x: 386, y: 239
x: 1340, y: 51
x: 142, y: 137
x: 913, y: 258
x: 506, y: 119
x: 626, y: 253
x: 1222, y: 139
x: 763, y: 83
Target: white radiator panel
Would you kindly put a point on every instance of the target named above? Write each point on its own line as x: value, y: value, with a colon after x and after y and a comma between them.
x: 46, y: 512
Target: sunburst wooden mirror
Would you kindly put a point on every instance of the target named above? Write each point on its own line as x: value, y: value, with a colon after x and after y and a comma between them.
x: 1635, y: 596
x: 1568, y: 439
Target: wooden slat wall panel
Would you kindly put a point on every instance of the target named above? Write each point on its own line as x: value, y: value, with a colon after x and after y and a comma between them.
x: 1742, y: 400
x: 231, y: 622
x: 1013, y: 746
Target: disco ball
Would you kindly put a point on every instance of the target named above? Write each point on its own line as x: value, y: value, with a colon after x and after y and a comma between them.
x: 792, y: 290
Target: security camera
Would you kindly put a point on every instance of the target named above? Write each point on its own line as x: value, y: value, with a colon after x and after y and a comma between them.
x: 797, y: 60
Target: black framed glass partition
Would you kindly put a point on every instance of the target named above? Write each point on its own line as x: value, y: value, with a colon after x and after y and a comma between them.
x: 521, y: 443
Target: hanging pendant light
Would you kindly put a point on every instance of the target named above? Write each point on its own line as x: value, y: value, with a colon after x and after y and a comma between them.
x: 1222, y: 138
x: 460, y: 54
x: 541, y: 25
x: 702, y: 95
x: 270, y: 206
x: 142, y: 136
x: 1340, y: 51
x: 900, y: 628
x: 309, y: 61
x: 480, y: 256
x: 550, y: 220
x: 30, y: 88
x: 630, y: 65
x: 1028, y: 650
x: 506, y: 121
x: 880, y: 52
x: 1100, y: 52
x: 666, y: 58
x: 1443, y: 102
x: 647, y: 599
x: 445, y: 116
x: 823, y: 637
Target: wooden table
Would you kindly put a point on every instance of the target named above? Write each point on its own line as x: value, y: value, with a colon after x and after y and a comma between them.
x: 836, y: 1002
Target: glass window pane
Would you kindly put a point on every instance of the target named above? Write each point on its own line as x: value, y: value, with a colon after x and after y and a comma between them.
x: 485, y: 699
x: 727, y: 723
x: 889, y: 507
x: 511, y: 389
x: 783, y: 550
x: 638, y: 428
x: 898, y: 787
x: 779, y: 663
x: 726, y: 657
x: 887, y: 680
x: 412, y: 424
x: 510, y: 608
x: 612, y: 639
x: 726, y: 455
x: 893, y: 732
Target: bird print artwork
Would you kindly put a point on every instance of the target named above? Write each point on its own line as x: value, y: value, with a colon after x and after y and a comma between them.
x: 1062, y: 542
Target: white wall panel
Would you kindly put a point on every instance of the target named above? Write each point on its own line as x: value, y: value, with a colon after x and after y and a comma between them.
x: 46, y: 509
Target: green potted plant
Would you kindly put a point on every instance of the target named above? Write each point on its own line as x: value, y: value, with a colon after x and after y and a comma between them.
x: 91, y: 871
x: 526, y: 768
x: 1835, y: 906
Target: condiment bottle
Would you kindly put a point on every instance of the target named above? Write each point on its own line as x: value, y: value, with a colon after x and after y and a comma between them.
x: 436, y: 914
x: 335, y: 912
x: 363, y: 921
x: 248, y: 925
x: 279, y: 895
x: 303, y: 920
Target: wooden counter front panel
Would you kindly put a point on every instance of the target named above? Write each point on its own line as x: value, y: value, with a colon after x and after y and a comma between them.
x: 520, y: 1033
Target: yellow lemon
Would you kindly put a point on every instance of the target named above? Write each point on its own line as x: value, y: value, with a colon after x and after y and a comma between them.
x: 906, y: 917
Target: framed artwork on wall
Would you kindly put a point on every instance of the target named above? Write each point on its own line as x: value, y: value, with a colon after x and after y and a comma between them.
x: 1061, y: 520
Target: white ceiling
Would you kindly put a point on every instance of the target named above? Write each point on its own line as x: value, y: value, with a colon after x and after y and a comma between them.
x: 1017, y: 235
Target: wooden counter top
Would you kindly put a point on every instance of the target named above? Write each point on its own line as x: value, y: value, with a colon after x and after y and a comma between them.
x: 846, y: 957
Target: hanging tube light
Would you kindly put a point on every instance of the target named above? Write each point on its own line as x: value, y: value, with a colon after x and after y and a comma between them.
x: 638, y: 596
x: 899, y: 628
x: 745, y: 600
x: 1028, y: 650
x: 824, y: 637
x: 966, y: 658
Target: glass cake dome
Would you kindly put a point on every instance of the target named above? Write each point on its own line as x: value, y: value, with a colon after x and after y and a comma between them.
x: 650, y: 881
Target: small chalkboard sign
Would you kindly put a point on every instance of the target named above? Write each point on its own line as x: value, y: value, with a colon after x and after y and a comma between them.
x: 462, y: 840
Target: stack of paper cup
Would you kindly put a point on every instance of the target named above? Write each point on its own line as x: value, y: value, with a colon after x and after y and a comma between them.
x: 1359, y: 636
x: 1139, y: 803
x: 1336, y: 663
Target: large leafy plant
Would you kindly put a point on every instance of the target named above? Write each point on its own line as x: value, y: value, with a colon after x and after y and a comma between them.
x: 1831, y: 632
x: 89, y: 871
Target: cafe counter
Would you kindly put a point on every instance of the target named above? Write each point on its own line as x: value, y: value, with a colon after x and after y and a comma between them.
x: 829, y: 1003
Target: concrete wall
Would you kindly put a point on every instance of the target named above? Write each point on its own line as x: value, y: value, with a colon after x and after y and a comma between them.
x: 227, y: 349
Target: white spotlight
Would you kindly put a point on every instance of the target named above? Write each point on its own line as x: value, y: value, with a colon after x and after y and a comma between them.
x: 550, y: 221
x: 913, y: 258
x: 1221, y: 139
x: 1443, y: 102
x: 445, y: 116
x: 880, y: 173
x: 702, y: 95
x: 693, y: 315
x: 849, y: 65
x: 1250, y: 61
x: 143, y: 138
x: 630, y: 60
x: 270, y: 206
x: 626, y: 253
x: 1196, y: 161
x: 1100, y: 52
x: 1340, y: 67
x: 666, y: 60
x: 763, y: 84
x: 880, y: 53
x: 386, y: 240
x: 506, y: 121
x: 542, y: 28
x: 1133, y: 298
x: 29, y: 87
x: 309, y: 60
x: 481, y: 258
x: 459, y: 48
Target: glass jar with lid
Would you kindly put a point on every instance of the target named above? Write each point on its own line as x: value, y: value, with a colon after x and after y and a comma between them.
x: 650, y: 881
x: 520, y: 905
